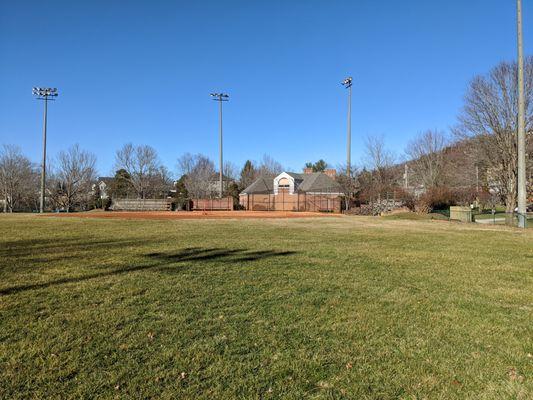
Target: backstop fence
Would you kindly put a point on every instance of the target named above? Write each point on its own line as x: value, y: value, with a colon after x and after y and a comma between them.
x: 284, y: 201
x: 220, y: 204
x: 141, y: 205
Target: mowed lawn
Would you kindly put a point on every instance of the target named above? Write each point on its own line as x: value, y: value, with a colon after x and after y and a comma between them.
x: 319, y: 308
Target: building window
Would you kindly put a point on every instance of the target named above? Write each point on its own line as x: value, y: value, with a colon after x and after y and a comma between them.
x: 283, y: 183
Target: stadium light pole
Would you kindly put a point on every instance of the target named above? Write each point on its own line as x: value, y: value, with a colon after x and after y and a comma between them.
x: 522, y: 196
x: 44, y: 94
x: 347, y: 83
x: 220, y: 97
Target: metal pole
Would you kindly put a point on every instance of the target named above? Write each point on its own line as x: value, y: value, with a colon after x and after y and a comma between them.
x: 349, y: 134
x: 43, y: 172
x: 477, y: 179
x: 521, y: 124
x: 220, y: 140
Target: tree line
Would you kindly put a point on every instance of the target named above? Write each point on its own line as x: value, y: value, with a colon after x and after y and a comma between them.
x: 72, y: 180
x: 476, y: 160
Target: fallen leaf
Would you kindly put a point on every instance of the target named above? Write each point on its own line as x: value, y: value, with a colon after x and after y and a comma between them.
x: 515, y: 376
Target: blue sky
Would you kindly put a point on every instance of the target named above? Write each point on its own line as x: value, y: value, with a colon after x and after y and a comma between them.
x: 142, y: 71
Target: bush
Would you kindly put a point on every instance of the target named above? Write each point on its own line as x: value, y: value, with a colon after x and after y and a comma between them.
x: 442, y: 198
x: 465, y: 196
x: 437, y: 198
x: 106, y: 203
x: 406, y: 198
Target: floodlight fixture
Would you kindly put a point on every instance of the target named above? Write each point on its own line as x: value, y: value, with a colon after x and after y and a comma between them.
x: 347, y: 83
x: 43, y: 93
x: 220, y: 96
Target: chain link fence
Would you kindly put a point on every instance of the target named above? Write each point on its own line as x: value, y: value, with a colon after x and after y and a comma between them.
x: 284, y: 201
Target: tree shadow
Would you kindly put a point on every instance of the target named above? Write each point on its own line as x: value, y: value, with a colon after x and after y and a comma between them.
x: 217, y: 254
x: 163, y: 262
x: 23, y: 248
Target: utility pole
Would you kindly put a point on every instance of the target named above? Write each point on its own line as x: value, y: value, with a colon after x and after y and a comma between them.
x: 220, y: 97
x: 406, y: 176
x: 44, y: 94
x: 477, y: 179
x: 347, y: 83
x: 522, y: 196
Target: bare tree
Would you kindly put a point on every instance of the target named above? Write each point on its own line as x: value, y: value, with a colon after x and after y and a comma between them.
x: 141, y: 163
x: 269, y: 166
x: 490, y: 115
x: 426, y: 152
x: 199, y: 175
x: 159, y: 183
x: 378, y: 157
x: 74, y: 175
x: 380, y: 161
x: 186, y: 164
x: 18, y: 179
x: 230, y: 171
x: 349, y: 184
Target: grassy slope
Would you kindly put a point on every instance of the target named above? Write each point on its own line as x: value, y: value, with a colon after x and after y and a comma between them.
x: 363, y: 308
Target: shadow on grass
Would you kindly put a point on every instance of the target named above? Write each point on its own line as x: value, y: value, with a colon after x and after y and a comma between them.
x: 22, y: 248
x: 164, y: 262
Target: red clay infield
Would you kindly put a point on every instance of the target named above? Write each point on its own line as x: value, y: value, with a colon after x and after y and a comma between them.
x: 192, y: 214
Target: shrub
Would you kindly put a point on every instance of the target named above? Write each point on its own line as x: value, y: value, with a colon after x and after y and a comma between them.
x: 436, y: 198
x: 406, y: 198
x: 465, y: 196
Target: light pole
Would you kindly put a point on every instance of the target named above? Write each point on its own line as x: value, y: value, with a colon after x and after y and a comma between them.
x: 44, y: 94
x: 522, y: 218
x: 220, y: 97
x: 347, y: 83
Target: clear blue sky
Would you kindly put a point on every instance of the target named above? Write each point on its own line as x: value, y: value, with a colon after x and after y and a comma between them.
x: 142, y: 71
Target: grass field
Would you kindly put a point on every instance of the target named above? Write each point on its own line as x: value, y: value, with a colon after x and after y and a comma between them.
x: 325, y: 308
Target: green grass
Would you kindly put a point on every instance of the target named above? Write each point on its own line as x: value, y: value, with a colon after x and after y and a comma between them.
x: 328, y: 308
x: 412, y: 216
x: 490, y: 216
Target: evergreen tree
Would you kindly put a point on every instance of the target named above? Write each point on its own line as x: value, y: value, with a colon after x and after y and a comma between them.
x: 181, y: 195
x: 121, y: 186
x: 319, y: 166
x: 248, y: 175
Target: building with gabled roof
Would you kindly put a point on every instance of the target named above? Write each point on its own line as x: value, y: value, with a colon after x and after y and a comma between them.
x: 290, y: 191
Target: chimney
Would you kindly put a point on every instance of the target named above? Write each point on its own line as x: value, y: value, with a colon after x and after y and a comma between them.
x: 308, y: 171
x: 331, y: 173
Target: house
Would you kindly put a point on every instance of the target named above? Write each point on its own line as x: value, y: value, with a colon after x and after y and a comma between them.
x: 213, y: 186
x: 290, y: 191
x: 103, y: 184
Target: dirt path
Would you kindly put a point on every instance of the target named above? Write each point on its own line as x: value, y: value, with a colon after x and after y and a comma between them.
x: 191, y: 215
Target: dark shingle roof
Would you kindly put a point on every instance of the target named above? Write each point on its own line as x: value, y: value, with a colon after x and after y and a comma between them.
x: 296, y: 176
x: 318, y: 182
x: 263, y: 184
